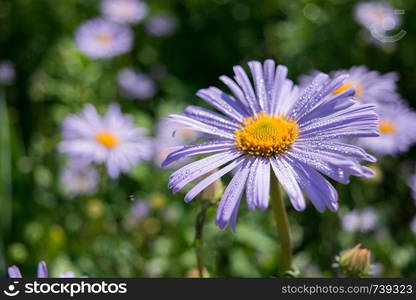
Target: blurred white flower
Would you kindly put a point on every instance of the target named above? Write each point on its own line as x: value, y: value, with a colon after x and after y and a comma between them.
x: 360, y: 220
x: 124, y: 11
x: 136, y: 85
x: 78, y: 179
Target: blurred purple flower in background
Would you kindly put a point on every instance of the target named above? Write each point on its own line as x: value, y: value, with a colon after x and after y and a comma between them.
x: 78, y: 179
x: 136, y: 85
x: 124, y: 11
x: 99, y: 38
x: 140, y: 211
x: 370, y: 86
x: 7, y: 72
x: 269, y: 126
x: 396, y: 130
x: 161, y: 25
x: 170, y: 137
x: 112, y: 139
x: 378, y: 16
x: 14, y: 272
x: 360, y: 220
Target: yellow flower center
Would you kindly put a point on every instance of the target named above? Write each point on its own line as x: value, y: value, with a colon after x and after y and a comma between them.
x: 107, y: 139
x: 358, y: 89
x: 387, y: 127
x: 266, y: 135
x: 104, y: 38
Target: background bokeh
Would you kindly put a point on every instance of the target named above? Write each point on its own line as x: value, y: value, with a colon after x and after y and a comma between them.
x: 96, y: 235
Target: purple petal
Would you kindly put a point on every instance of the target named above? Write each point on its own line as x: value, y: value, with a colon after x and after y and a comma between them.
x: 317, y: 188
x: 278, y: 85
x: 269, y: 68
x: 14, y: 272
x: 222, y: 102
x: 237, y: 92
x: 318, y: 97
x: 42, y: 270
x: 192, y: 171
x: 211, y: 118
x: 337, y: 103
x: 262, y: 185
x: 201, y: 148
x: 258, y: 184
x: 258, y: 79
x: 357, y: 116
x: 251, y: 183
x: 310, y: 97
x: 231, y: 198
x: 285, y: 175
x: 338, y: 148
x: 245, y: 84
x: 332, y: 165
x: 210, y: 179
x: 202, y: 127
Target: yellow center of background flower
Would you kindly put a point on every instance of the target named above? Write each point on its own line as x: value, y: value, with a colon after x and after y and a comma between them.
x: 358, y: 89
x: 107, y: 139
x: 387, y: 127
x: 104, y: 38
x: 266, y: 135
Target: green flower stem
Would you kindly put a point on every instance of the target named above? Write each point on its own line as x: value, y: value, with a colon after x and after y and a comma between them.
x: 199, y: 238
x: 283, y: 230
x: 5, y: 177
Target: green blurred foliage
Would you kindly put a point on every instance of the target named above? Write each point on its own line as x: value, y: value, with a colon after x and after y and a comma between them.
x: 93, y: 235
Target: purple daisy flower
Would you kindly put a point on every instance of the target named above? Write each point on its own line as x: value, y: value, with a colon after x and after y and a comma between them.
x: 78, y: 179
x: 99, y: 38
x: 272, y: 127
x: 7, y: 72
x: 112, y: 139
x: 395, y: 136
x: 14, y: 272
x: 161, y: 25
x: 124, y: 11
x: 136, y: 85
x: 378, y: 16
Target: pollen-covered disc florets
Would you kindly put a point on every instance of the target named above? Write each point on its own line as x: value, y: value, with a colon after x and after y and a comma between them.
x: 266, y: 135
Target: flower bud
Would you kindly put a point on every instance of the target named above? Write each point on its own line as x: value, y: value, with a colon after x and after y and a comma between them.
x: 354, y: 262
